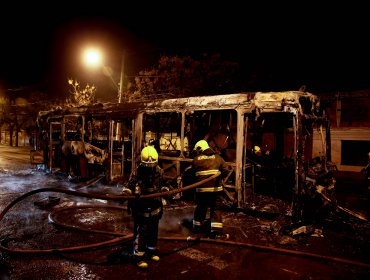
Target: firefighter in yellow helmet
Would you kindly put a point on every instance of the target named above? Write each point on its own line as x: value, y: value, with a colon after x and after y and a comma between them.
x: 208, y: 195
x: 257, y: 150
x: 146, y: 211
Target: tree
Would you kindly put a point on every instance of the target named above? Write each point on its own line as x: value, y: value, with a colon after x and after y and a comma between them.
x: 184, y: 76
x: 78, y: 96
x: 4, y: 112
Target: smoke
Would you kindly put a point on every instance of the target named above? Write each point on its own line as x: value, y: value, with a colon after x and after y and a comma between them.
x: 172, y: 222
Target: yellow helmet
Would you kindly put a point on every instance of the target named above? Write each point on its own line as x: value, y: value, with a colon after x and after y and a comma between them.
x: 149, y: 156
x: 256, y: 149
x: 201, y: 145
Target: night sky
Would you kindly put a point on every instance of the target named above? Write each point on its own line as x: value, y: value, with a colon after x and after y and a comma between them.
x: 324, y: 48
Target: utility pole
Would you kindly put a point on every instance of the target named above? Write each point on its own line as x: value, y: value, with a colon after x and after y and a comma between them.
x: 121, y: 81
x: 120, y: 93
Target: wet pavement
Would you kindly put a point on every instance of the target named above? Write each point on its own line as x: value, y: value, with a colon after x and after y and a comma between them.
x: 56, y: 235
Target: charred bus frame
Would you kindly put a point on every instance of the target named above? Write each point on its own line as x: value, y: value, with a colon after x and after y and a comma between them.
x: 110, y: 136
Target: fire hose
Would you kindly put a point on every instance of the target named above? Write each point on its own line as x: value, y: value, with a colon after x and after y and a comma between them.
x: 89, y: 195
x: 121, y: 237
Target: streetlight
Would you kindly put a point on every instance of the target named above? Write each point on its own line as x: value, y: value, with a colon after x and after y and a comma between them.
x: 93, y: 58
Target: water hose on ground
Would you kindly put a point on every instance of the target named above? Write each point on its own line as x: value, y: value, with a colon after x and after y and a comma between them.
x: 88, y: 195
x: 121, y: 238
x: 266, y: 248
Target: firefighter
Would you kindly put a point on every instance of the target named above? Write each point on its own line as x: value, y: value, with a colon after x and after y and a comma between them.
x: 257, y: 151
x: 146, y: 212
x: 208, y: 195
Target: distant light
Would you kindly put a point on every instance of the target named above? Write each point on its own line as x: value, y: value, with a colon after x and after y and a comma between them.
x: 92, y: 57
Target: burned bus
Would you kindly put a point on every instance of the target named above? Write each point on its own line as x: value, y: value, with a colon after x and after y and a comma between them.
x: 265, y: 137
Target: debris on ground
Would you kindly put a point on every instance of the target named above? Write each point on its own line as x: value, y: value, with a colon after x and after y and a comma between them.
x: 47, y: 202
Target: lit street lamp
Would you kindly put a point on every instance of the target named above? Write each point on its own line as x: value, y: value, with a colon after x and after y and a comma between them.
x: 94, y: 58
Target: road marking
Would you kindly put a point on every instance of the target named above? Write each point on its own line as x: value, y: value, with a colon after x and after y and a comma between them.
x: 200, y: 256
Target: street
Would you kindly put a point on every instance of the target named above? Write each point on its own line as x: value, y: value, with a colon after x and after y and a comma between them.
x: 54, y: 230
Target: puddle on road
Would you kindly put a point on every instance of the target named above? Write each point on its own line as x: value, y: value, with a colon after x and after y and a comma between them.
x: 27, y: 180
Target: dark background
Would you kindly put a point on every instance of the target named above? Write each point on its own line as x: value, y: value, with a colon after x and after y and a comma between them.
x: 325, y: 48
